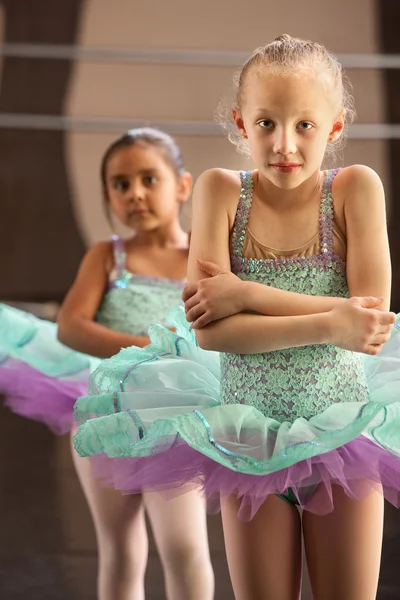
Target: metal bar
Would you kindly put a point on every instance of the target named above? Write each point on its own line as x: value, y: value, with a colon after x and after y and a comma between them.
x: 359, y: 131
x: 168, y: 56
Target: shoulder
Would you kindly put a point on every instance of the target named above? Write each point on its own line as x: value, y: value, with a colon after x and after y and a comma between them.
x: 101, y: 249
x: 100, y: 255
x: 218, y: 191
x: 218, y: 181
x: 359, y: 183
x: 363, y: 198
x: 219, y: 177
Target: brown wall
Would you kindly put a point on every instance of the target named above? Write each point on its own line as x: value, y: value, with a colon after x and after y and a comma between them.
x: 58, y: 180
x: 40, y: 246
x: 389, y: 19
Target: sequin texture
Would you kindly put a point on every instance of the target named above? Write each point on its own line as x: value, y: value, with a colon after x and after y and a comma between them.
x: 295, y: 382
x: 133, y: 302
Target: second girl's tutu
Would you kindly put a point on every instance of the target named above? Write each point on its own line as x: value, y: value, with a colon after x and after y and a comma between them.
x: 40, y: 377
x: 156, y: 412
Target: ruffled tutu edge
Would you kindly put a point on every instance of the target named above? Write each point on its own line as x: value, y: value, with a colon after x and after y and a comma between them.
x: 164, y: 432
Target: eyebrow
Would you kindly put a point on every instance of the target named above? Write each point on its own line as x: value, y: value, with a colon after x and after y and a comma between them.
x: 304, y: 112
x: 142, y: 172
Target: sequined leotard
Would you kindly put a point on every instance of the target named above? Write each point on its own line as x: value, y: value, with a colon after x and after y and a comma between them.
x: 287, y: 422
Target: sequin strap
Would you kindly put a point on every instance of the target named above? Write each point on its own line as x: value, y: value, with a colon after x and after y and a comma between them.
x: 326, y: 216
x: 242, y: 212
x: 119, y: 253
x: 244, y: 207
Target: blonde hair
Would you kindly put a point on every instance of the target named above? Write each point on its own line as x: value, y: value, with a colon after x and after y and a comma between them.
x: 286, y: 55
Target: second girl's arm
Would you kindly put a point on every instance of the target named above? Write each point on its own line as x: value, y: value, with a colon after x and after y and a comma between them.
x: 76, y: 325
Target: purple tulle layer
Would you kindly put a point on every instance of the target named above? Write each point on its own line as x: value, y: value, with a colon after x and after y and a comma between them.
x: 36, y: 396
x: 357, y: 467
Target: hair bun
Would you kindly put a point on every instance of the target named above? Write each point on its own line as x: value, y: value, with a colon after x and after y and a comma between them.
x: 285, y: 37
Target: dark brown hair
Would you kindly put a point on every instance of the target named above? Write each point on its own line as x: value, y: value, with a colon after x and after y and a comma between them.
x: 152, y: 137
x: 143, y: 135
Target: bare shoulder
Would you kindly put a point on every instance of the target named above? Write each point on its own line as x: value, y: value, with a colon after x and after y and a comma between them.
x: 85, y: 295
x: 359, y: 182
x: 218, y: 189
x: 218, y: 181
x: 99, y: 255
x: 219, y: 177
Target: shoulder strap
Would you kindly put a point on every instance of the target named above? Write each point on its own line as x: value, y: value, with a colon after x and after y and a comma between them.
x: 119, y: 253
x: 242, y: 212
x: 326, y: 213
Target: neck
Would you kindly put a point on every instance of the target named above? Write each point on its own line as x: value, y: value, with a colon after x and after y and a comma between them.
x: 281, y: 199
x: 167, y: 236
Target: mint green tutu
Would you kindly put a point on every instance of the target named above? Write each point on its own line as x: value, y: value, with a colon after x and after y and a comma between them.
x: 40, y: 377
x: 157, y: 412
x: 293, y: 422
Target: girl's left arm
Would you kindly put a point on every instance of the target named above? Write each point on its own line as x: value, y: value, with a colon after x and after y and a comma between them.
x: 368, y: 256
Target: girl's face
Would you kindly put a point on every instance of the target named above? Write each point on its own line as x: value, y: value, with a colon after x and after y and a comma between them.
x: 288, y: 120
x: 142, y: 189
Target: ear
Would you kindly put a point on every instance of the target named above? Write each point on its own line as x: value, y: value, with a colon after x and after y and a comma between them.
x: 338, y: 127
x: 185, y: 185
x: 237, y: 117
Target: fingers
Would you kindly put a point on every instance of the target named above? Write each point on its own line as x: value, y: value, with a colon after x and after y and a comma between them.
x: 385, y: 328
x: 194, y: 313
x: 387, y: 318
x: 378, y: 320
x: 381, y: 339
x: 368, y: 301
x: 189, y: 291
x: 208, y: 267
x: 204, y: 320
x: 193, y: 301
x: 373, y: 350
x: 378, y: 340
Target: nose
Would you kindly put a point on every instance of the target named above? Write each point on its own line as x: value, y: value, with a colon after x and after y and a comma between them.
x: 135, y: 193
x: 284, y: 142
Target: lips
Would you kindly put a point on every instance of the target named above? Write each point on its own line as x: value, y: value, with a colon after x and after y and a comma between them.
x: 285, y: 167
x: 138, y: 213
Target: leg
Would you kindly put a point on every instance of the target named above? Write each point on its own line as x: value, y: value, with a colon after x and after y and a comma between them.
x: 180, y: 530
x: 121, y: 537
x: 264, y: 554
x: 343, y: 548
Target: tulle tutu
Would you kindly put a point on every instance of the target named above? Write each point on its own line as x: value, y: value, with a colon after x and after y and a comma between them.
x: 156, y: 413
x: 40, y: 377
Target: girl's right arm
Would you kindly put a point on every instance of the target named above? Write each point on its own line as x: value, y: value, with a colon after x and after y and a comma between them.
x: 224, y: 294
x: 76, y: 325
x: 349, y: 325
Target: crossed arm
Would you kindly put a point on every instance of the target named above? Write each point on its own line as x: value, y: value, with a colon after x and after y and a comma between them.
x: 217, y: 306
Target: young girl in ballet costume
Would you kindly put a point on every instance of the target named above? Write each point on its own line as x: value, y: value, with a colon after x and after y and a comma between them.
x: 121, y: 288
x: 289, y: 280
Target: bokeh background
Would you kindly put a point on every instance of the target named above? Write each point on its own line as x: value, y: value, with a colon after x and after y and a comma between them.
x: 73, y: 75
